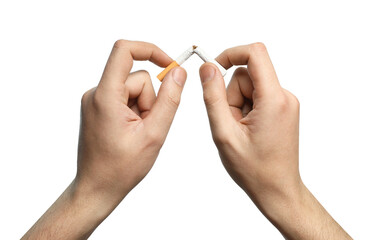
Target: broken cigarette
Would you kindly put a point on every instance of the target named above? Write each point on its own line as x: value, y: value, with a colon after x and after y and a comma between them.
x: 180, y: 60
x: 187, y: 54
x: 206, y: 58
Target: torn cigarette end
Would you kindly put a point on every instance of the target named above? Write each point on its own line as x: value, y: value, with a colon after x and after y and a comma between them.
x: 178, y: 61
x: 166, y: 70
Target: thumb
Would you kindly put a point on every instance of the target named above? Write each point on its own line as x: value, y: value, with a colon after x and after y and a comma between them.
x: 215, y: 97
x: 163, y: 111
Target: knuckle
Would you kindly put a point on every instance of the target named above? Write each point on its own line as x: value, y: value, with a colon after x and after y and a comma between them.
x: 86, y: 96
x: 121, y: 43
x: 240, y: 71
x: 173, y: 100
x: 286, y: 102
x: 225, y: 52
x: 154, y: 138
x: 144, y: 74
x: 282, y: 103
x: 292, y: 99
x: 96, y: 98
x: 152, y: 45
x: 221, y: 138
x: 258, y: 46
x: 295, y: 101
x: 210, y: 99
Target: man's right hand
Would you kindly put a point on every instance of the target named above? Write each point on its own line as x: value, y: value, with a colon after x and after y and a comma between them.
x: 123, y: 127
x: 255, y: 126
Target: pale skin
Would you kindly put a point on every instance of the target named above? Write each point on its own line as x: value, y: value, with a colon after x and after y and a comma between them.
x: 254, y: 124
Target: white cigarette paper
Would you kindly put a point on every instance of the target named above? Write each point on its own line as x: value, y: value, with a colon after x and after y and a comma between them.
x: 206, y: 58
x: 185, y: 55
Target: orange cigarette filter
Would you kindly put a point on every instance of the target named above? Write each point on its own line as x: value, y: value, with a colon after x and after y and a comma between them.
x: 166, y: 70
x: 180, y: 60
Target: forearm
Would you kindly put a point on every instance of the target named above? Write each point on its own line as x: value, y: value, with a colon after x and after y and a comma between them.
x: 301, y: 216
x: 74, y: 215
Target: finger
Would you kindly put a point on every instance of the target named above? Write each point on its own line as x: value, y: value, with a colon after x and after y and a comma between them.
x: 215, y: 97
x: 139, y: 93
x: 240, y: 93
x: 121, y: 59
x: 163, y: 111
x: 260, y: 68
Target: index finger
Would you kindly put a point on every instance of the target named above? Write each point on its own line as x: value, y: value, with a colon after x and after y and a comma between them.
x: 259, y: 65
x: 121, y: 59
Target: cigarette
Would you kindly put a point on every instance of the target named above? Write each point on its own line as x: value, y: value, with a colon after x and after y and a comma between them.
x: 206, y: 58
x: 187, y: 54
x: 180, y: 60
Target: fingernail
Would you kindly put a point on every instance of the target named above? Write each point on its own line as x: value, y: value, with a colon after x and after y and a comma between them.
x: 207, y: 73
x: 178, y: 76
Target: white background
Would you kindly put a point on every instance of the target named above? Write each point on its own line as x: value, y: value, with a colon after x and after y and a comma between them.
x: 52, y: 52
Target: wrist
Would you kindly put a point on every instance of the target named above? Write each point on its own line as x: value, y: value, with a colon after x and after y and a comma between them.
x: 298, y: 215
x: 96, y: 202
x: 74, y: 215
x: 286, y: 209
x: 286, y: 205
x: 279, y: 203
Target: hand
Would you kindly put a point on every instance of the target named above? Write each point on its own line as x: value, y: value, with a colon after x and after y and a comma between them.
x: 123, y: 127
x: 255, y: 126
x: 123, y: 123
